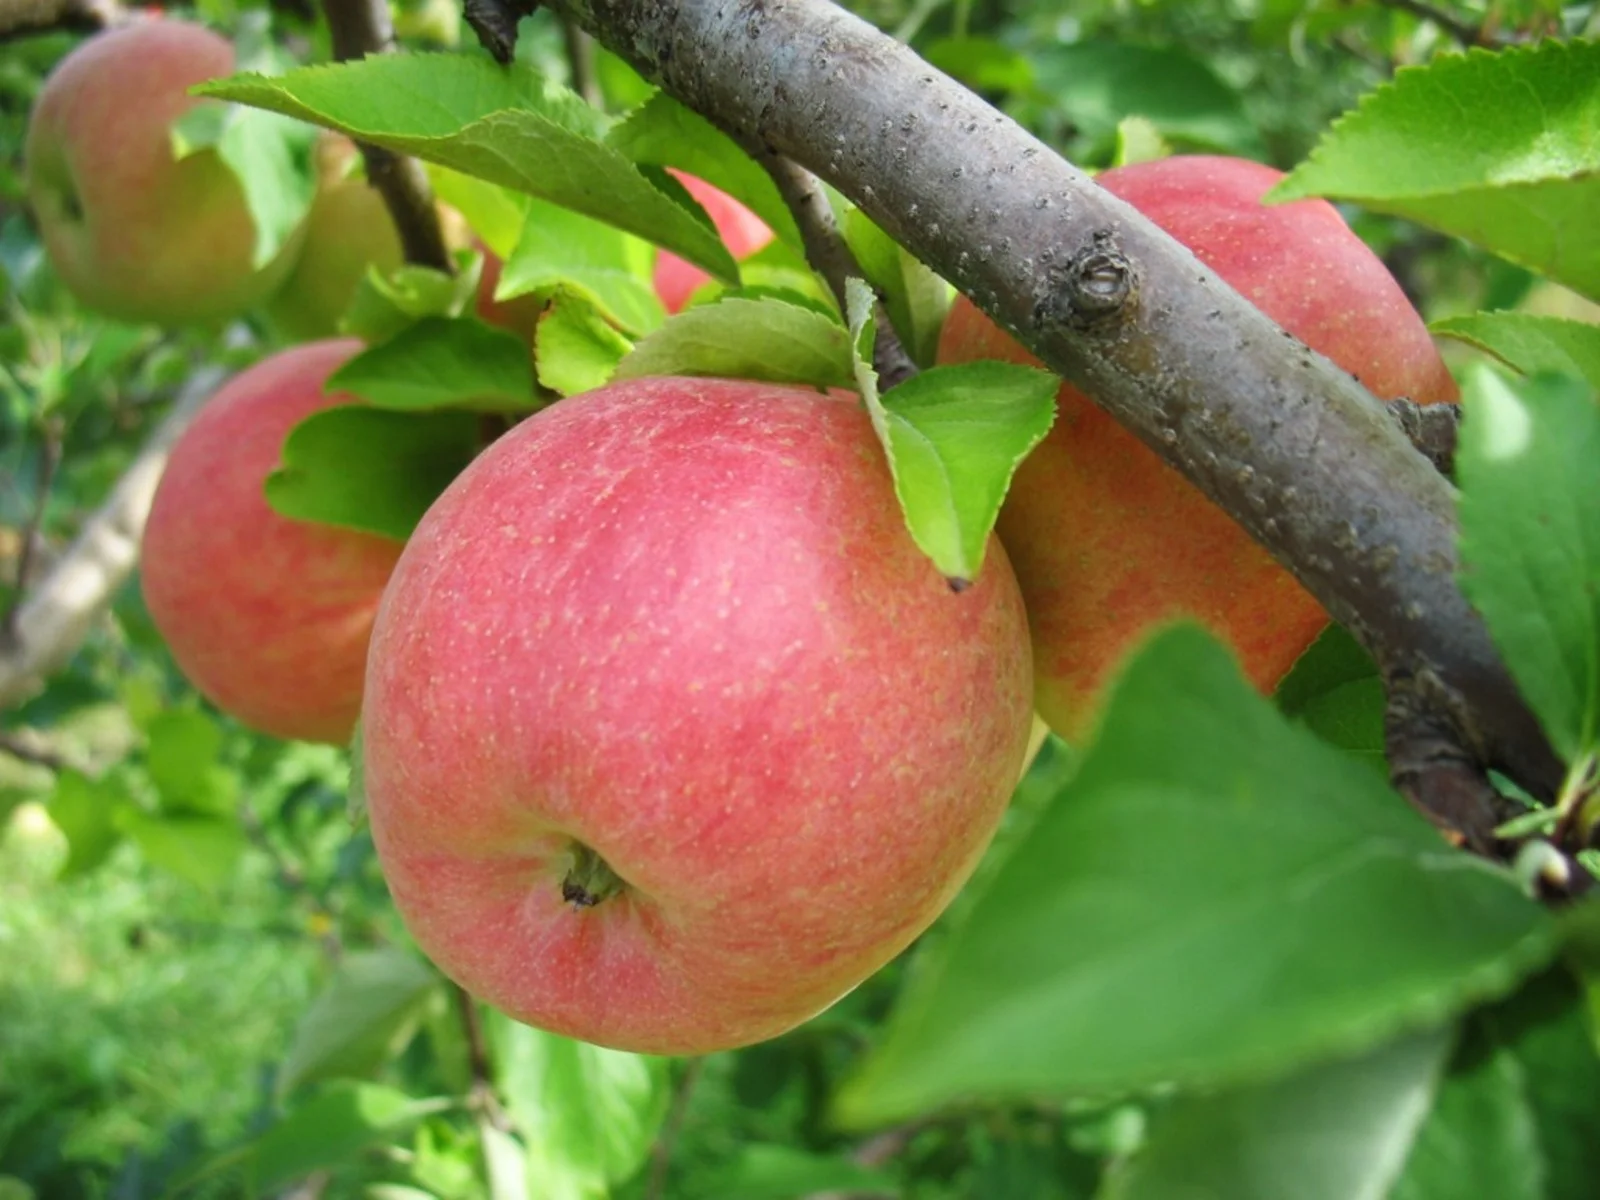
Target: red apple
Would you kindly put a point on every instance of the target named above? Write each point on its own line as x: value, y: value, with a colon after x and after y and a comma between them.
x: 1108, y: 540
x: 268, y: 617
x: 743, y: 231
x: 672, y: 735
x: 132, y: 231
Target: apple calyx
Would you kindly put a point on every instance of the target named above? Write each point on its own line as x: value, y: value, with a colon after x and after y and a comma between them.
x: 590, y: 879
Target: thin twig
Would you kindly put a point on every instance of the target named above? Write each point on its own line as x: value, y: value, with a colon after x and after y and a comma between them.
x: 830, y: 255
x: 661, y: 1153
x: 359, y: 28
x: 580, y: 61
x: 49, y: 461
x: 290, y: 877
x: 480, y: 1067
x: 27, y: 748
x: 1462, y: 31
x: 56, y: 615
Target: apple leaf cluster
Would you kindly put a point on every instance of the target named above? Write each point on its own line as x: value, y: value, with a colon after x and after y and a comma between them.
x: 954, y: 437
x: 508, y: 126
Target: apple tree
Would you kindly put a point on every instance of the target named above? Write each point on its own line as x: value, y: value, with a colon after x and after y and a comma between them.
x: 790, y: 599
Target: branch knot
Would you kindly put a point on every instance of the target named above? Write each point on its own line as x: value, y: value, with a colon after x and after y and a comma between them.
x: 1098, y: 285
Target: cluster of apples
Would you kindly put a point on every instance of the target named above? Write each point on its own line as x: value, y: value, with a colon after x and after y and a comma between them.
x: 140, y: 234
x: 671, y: 734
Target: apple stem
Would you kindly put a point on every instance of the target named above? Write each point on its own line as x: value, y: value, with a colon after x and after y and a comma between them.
x: 590, y: 879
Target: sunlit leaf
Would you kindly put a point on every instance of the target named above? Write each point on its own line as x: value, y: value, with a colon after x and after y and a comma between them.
x: 1517, y: 173
x: 507, y: 125
x: 1216, y: 896
x: 1529, y: 469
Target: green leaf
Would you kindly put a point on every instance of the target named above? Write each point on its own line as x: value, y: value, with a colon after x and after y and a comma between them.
x: 183, y: 758
x: 443, y: 362
x: 1100, y: 83
x: 1339, y: 1131
x: 1138, y: 140
x: 954, y: 437
x: 1518, y: 1116
x: 773, y: 1172
x: 1519, y: 174
x: 1529, y: 470
x: 204, y: 851
x: 495, y: 214
x: 587, y: 1114
x: 1336, y: 692
x: 363, y: 1018
x: 609, y: 267
x: 85, y: 810
x: 269, y: 154
x: 506, y: 125
x: 780, y: 271
x: 663, y: 133
x: 386, y: 305
x: 371, y: 469
x: 1532, y: 344
x: 575, y: 347
x: 915, y: 298
x: 333, y: 1127
x: 746, y: 339
x: 1214, y: 897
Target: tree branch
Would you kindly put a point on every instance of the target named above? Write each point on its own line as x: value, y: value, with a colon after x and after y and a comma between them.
x: 580, y: 61
x: 26, y: 746
x: 1464, y: 32
x: 1292, y: 447
x: 495, y: 23
x: 831, y: 257
x: 661, y: 1152
x: 49, y: 460
x: 56, y: 616
x: 24, y: 18
x: 359, y: 28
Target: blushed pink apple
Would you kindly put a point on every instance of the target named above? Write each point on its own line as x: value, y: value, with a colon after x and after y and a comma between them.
x: 267, y: 617
x: 672, y: 735
x: 1107, y: 539
x: 742, y: 231
x: 133, y: 231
